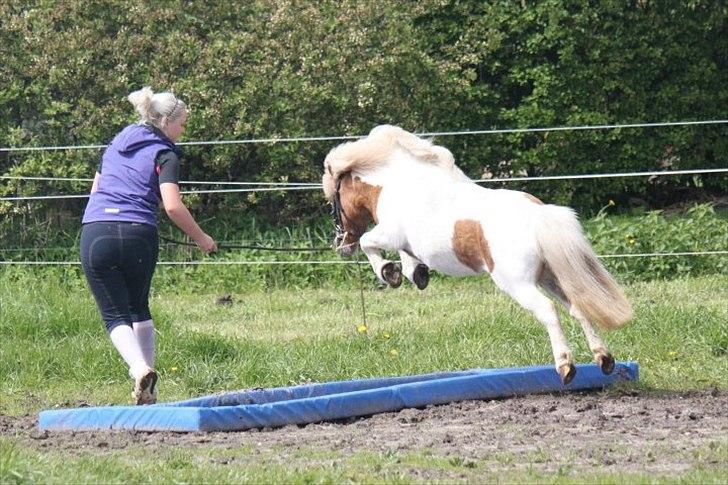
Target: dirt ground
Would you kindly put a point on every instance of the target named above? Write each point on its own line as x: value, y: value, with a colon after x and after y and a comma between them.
x: 622, y: 431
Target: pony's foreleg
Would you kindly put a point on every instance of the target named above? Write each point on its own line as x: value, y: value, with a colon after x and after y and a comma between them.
x: 530, y: 298
x: 415, y: 270
x: 372, y: 243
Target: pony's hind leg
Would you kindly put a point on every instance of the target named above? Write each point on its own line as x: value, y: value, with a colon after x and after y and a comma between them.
x: 530, y: 297
x: 415, y: 270
x: 602, y: 356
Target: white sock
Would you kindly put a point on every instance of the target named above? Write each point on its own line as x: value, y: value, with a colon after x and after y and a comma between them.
x: 144, y: 332
x: 122, y: 336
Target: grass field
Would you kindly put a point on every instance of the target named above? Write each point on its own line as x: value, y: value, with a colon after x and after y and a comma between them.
x: 54, y: 352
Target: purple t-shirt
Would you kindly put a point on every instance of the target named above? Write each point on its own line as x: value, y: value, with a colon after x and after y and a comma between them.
x: 128, y: 188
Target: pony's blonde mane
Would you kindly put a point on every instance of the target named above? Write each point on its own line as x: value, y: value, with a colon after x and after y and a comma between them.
x: 369, y: 153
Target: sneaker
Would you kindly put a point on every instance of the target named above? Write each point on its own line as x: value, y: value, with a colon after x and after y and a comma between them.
x: 145, y: 388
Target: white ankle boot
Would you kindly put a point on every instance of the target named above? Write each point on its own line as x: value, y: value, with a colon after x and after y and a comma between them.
x: 145, y: 387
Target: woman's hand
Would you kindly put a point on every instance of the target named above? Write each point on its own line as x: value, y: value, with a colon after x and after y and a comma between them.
x: 206, y: 244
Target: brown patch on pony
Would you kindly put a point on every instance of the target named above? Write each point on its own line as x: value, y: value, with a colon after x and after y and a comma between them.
x: 470, y: 245
x: 533, y: 198
x: 359, y: 202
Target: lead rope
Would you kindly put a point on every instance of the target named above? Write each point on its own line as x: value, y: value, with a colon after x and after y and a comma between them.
x: 249, y: 246
x: 336, y: 211
x: 361, y: 292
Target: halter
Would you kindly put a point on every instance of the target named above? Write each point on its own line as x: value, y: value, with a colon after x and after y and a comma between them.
x: 337, y: 211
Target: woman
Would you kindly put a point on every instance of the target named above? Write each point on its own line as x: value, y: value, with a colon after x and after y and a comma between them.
x: 119, y: 242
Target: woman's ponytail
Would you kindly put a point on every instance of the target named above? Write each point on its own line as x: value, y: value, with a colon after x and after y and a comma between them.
x: 156, y: 109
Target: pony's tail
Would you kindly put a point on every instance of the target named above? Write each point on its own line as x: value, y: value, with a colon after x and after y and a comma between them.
x: 581, y: 276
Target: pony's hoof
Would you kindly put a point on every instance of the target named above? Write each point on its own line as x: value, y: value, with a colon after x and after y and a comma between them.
x: 392, y: 274
x: 606, y: 362
x: 567, y: 373
x: 421, y: 276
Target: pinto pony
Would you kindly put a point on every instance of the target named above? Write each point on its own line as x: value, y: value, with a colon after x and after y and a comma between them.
x: 427, y: 210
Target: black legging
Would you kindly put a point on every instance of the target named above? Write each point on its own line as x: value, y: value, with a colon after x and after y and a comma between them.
x: 118, y: 259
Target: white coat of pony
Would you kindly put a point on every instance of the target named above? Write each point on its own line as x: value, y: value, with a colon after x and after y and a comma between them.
x: 425, y: 208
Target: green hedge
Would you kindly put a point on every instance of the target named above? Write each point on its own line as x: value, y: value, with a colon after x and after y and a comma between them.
x: 264, y: 69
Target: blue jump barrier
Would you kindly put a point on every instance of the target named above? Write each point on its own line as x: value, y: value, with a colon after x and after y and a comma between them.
x: 329, y: 401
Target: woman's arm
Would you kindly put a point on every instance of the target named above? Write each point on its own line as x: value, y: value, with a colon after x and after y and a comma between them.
x: 178, y: 213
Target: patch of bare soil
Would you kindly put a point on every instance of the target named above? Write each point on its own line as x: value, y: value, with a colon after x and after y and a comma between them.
x: 631, y: 431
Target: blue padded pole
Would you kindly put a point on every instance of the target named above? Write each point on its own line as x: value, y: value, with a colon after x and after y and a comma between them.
x: 335, y: 400
x: 486, y: 385
x: 262, y: 396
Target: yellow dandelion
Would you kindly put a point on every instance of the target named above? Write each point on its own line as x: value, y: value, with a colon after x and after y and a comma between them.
x: 362, y: 328
x: 386, y: 335
x: 393, y: 353
x: 672, y: 354
x: 173, y: 369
